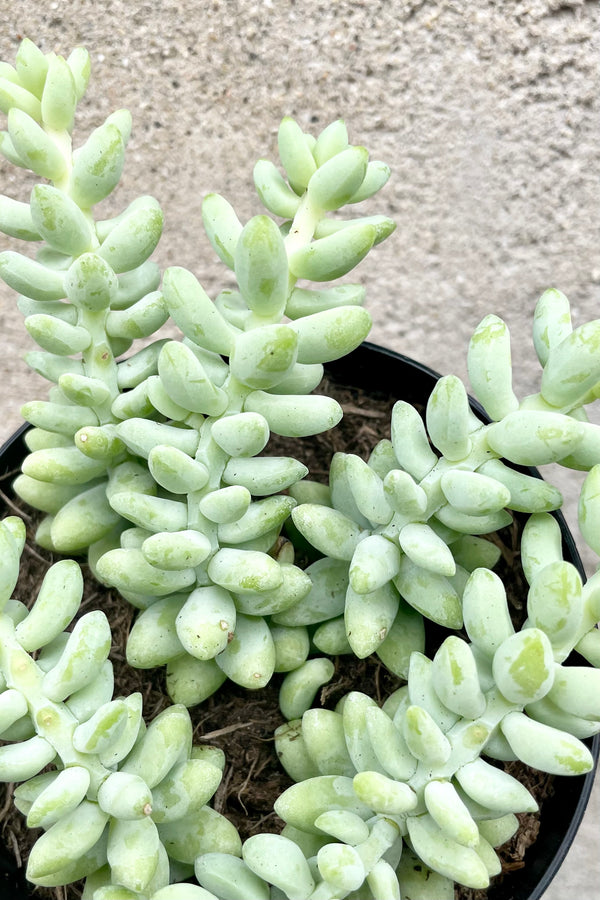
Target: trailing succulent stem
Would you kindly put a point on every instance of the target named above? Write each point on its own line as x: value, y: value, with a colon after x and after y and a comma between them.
x: 153, y: 464
x: 416, y: 762
x: 400, y: 534
x: 118, y: 800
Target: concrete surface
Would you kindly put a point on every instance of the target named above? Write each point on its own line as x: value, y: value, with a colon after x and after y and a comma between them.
x: 487, y: 112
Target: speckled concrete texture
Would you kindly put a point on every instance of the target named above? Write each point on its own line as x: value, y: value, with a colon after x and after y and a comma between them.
x: 488, y: 113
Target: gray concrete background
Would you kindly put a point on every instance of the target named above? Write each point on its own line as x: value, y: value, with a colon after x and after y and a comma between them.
x: 487, y: 112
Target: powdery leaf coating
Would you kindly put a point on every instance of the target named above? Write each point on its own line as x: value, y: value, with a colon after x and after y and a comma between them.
x: 523, y: 666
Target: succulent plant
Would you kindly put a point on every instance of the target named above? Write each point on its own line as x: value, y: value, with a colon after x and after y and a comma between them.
x: 417, y: 761
x: 401, y: 533
x: 156, y: 465
x: 116, y: 799
x: 412, y: 770
x: 154, y: 462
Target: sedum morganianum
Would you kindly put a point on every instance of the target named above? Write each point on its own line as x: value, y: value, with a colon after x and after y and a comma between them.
x: 90, y: 290
x: 400, y: 533
x: 153, y: 463
x: 396, y: 801
x: 121, y: 803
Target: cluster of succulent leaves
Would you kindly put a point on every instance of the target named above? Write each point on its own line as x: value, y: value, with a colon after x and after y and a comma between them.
x: 417, y: 760
x: 402, y: 532
x: 119, y: 802
x: 153, y: 465
x: 380, y: 791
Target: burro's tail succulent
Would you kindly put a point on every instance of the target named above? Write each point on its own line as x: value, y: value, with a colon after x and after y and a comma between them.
x: 391, y: 796
x: 120, y: 802
x: 157, y: 465
x: 400, y: 533
x: 408, y: 798
x: 154, y: 461
x: 90, y: 290
x: 200, y: 558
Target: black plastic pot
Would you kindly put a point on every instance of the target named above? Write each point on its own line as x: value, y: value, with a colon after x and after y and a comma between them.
x: 378, y: 370
x: 374, y: 368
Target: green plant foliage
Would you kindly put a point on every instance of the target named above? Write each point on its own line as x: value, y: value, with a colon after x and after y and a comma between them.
x: 156, y: 464
x: 406, y: 527
x: 153, y: 462
x: 416, y: 763
x: 116, y: 798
